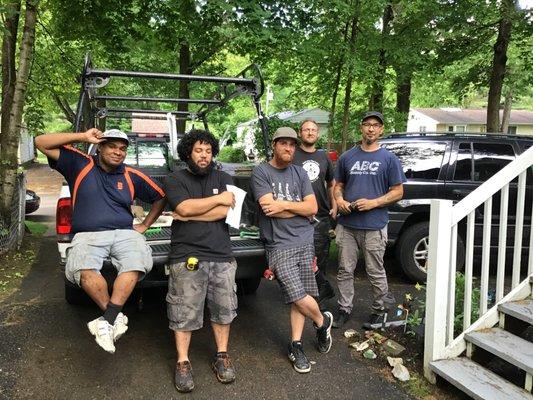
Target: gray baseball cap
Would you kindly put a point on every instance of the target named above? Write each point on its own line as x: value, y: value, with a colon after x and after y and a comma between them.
x: 285, y: 132
x: 115, y: 134
x: 375, y: 114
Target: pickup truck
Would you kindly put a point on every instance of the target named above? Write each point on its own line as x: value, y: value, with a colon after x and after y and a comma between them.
x: 154, y: 154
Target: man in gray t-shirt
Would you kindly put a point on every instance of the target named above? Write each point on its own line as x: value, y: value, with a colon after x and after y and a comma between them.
x: 287, y: 202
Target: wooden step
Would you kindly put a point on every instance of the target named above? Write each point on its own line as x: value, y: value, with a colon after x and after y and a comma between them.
x: 476, y: 381
x: 521, y: 309
x: 505, y: 345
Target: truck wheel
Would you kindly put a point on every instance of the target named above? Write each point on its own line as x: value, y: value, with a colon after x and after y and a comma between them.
x: 248, y: 286
x: 75, y: 295
x: 412, y: 250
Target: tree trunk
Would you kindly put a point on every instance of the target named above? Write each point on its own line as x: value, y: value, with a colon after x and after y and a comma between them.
x: 507, y: 111
x: 8, y: 152
x: 336, y: 91
x: 9, y: 44
x: 499, y: 62
x: 403, y: 100
x: 376, y: 97
x: 185, y: 68
x: 348, y: 91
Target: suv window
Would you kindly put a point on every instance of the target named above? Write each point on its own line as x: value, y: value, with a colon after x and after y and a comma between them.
x: 147, y: 154
x: 420, y: 160
x: 488, y: 158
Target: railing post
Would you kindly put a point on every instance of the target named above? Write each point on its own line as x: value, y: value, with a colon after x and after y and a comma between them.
x: 437, y: 286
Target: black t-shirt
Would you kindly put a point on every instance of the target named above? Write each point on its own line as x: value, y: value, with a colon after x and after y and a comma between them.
x: 207, y: 241
x: 320, y: 171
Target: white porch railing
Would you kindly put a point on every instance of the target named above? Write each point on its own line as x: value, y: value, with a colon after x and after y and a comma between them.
x: 440, y: 339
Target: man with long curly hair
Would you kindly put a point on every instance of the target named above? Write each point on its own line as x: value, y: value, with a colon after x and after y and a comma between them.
x: 202, y: 266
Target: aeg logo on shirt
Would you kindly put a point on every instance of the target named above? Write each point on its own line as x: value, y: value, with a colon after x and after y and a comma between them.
x: 365, y: 168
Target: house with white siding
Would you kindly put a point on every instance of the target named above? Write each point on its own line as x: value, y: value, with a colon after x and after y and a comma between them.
x: 465, y: 120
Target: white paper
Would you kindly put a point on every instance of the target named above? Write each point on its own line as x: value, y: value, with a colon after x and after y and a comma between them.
x: 233, y: 218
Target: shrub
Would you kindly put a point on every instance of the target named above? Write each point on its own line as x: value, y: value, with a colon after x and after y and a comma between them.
x: 231, y: 154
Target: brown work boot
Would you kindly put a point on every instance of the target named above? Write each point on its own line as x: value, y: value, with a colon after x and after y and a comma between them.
x: 183, y: 377
x: 223, y: 368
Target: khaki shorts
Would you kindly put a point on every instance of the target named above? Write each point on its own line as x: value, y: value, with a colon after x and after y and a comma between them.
x: 188, y: 290
x: 126, y: 248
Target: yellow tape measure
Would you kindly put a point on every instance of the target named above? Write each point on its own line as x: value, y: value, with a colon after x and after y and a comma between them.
x: 192, y: 264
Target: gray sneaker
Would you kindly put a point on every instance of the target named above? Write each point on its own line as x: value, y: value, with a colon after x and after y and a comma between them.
x: 183, y: 377
x: 103, y: 334
x: 298, y: 358
x: 323, y: 334
x: 223, y: 368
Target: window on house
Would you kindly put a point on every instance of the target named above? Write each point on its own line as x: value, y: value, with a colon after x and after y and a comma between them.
x: 457, y: 128
x: 483, y: 128
x: 422, y: 128
x: 511, y: 130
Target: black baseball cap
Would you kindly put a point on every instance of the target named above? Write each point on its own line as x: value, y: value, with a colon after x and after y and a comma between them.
x: 375, y: 114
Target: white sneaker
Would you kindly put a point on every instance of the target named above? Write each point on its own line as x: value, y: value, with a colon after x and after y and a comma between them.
x: 120, y: 326
x: 103, y: 334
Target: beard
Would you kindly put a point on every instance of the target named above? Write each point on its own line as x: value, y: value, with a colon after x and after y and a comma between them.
x: 196, y: 170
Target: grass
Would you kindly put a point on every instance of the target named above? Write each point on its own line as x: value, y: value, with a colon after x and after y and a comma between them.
x: 15, y: 264
x: 41, y: 158
x: 35, y: 228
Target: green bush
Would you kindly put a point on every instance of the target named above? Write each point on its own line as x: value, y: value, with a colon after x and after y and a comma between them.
x: 231, y: 154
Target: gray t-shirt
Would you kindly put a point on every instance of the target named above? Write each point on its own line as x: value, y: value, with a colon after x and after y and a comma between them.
x: 291, y: 184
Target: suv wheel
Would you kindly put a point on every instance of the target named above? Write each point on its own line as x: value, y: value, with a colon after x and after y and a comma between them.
x: 412, y: 251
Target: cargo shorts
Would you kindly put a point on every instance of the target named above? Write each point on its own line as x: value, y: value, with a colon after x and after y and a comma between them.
x: 188, y: 291
x: 126, y: 248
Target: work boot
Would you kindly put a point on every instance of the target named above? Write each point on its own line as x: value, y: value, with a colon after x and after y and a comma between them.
x: 325, y: 292
x: 298, y: 358
x: 323, y: 334
x: 341, y: 319
x: 183, y: 377
x: 103, y: 334
x: 223, y: 368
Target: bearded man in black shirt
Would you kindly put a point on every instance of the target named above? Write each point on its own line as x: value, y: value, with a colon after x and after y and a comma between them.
x: 202, y: 266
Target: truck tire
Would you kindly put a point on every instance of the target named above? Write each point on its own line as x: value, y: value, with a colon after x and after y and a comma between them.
x: 248, y: 286
x: 412, y: 250
x: 75, y: 295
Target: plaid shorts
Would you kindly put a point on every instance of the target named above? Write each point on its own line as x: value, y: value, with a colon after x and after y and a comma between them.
x: 293, y: 268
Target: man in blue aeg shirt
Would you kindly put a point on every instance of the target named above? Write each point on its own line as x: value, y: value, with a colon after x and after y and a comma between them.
x: 102, y: 190
x: 368, y: 179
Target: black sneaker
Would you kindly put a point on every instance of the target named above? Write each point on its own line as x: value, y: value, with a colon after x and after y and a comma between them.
x: 183, y: 377
x: 299, y: 360
x: 384, y: 320
x: 323, y: 334
x: 341, y: 319
x: 223, y: 368
x: 325, y: 292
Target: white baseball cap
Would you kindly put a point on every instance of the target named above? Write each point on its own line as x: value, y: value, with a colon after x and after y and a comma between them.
x: 115, y: 134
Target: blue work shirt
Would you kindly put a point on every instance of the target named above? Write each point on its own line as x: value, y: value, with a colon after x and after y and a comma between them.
x: 367, y: 175
x: 102, y: 200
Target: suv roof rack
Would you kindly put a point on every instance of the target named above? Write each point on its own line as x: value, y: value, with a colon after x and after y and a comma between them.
x: 459, y: 134
x: 93, y: 107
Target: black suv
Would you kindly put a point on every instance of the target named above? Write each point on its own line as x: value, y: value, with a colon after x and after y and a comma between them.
x: 449, y: 166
